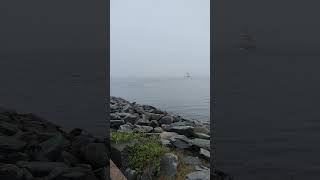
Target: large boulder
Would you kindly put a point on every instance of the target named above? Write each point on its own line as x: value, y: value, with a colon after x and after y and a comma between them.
x: 168, y: 165
x: 183, y: 130
x: 40, y: 169
x: 166, y: 120
x: 131, y: 118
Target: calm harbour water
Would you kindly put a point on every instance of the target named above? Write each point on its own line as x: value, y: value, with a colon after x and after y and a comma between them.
x: 267, y: 116
x: 188, y: 97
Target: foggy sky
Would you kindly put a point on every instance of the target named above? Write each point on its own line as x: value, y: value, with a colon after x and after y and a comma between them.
x: 159, y: 38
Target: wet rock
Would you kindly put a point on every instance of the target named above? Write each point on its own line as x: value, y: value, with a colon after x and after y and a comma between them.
x: 166, y: 120
x: 205, y: 153
x: 130, y: 174
x: 190, y: 160
x: 201, y: 143
x: 115, y: 124
x: 158, y: 130
x: 95, y: 154
x: 8, y: 129
x: 10, y: 172
x: 10, y: 144
x: 168, y: 165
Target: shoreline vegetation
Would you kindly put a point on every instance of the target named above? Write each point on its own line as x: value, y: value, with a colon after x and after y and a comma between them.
x: 33, y: 148
x: 151, y: 144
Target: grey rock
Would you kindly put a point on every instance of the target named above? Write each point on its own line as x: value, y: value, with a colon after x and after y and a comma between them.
x: 114, y: 116
x: 180, y: 142
x: 205, y: 153
x: 154, y: 123
x: 166, y: 120
x: 7, y: 128
x: 96, y: 154
x: 125, y: 128
x: 10, y: 144
x: 131, y: 118
x: 168, y: 165
x: 201, y: 135
x: 203, y: 130
x: 52, y: 148
x: 143, y: 122
x: 190, y: 160
x: 143, y: 129
x: 165, y: 142
x: 167, y: 135
x: 155, y: 116
x: 201, y: 143
x: 184, y: 130
x: 130, y: 174
x: 127, y: 108
x: 115, y: 124
x: 203, y: 174
x: 158, y: 130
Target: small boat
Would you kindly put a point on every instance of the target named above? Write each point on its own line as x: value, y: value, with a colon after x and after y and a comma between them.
x: 187, y: 75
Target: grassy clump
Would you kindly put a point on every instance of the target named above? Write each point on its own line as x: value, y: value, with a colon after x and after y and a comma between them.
x: 122, y: 137
x: 182, y: 169
x: 146, y: 153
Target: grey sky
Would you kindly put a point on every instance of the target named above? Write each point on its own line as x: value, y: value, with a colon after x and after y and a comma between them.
x: 159, y: 37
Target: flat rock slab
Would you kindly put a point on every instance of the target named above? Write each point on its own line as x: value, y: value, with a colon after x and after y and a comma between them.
x: 201, y: 143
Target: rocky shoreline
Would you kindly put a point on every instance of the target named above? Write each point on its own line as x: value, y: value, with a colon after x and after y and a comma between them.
x: 32, y: 148
x: 184, y: 150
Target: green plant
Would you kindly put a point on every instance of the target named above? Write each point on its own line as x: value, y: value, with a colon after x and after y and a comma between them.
x: 121, y: 137
x: 146, y: 153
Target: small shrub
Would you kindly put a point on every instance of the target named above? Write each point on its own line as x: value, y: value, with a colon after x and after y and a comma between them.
x: 146, y: 153
x: 121, y: 137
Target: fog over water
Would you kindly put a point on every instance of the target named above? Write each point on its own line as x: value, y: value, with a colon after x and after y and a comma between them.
x: 152, y: 38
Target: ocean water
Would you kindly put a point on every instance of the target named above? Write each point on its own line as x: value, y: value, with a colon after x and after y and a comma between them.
x: 267, y: 116
x: 188, y: 97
